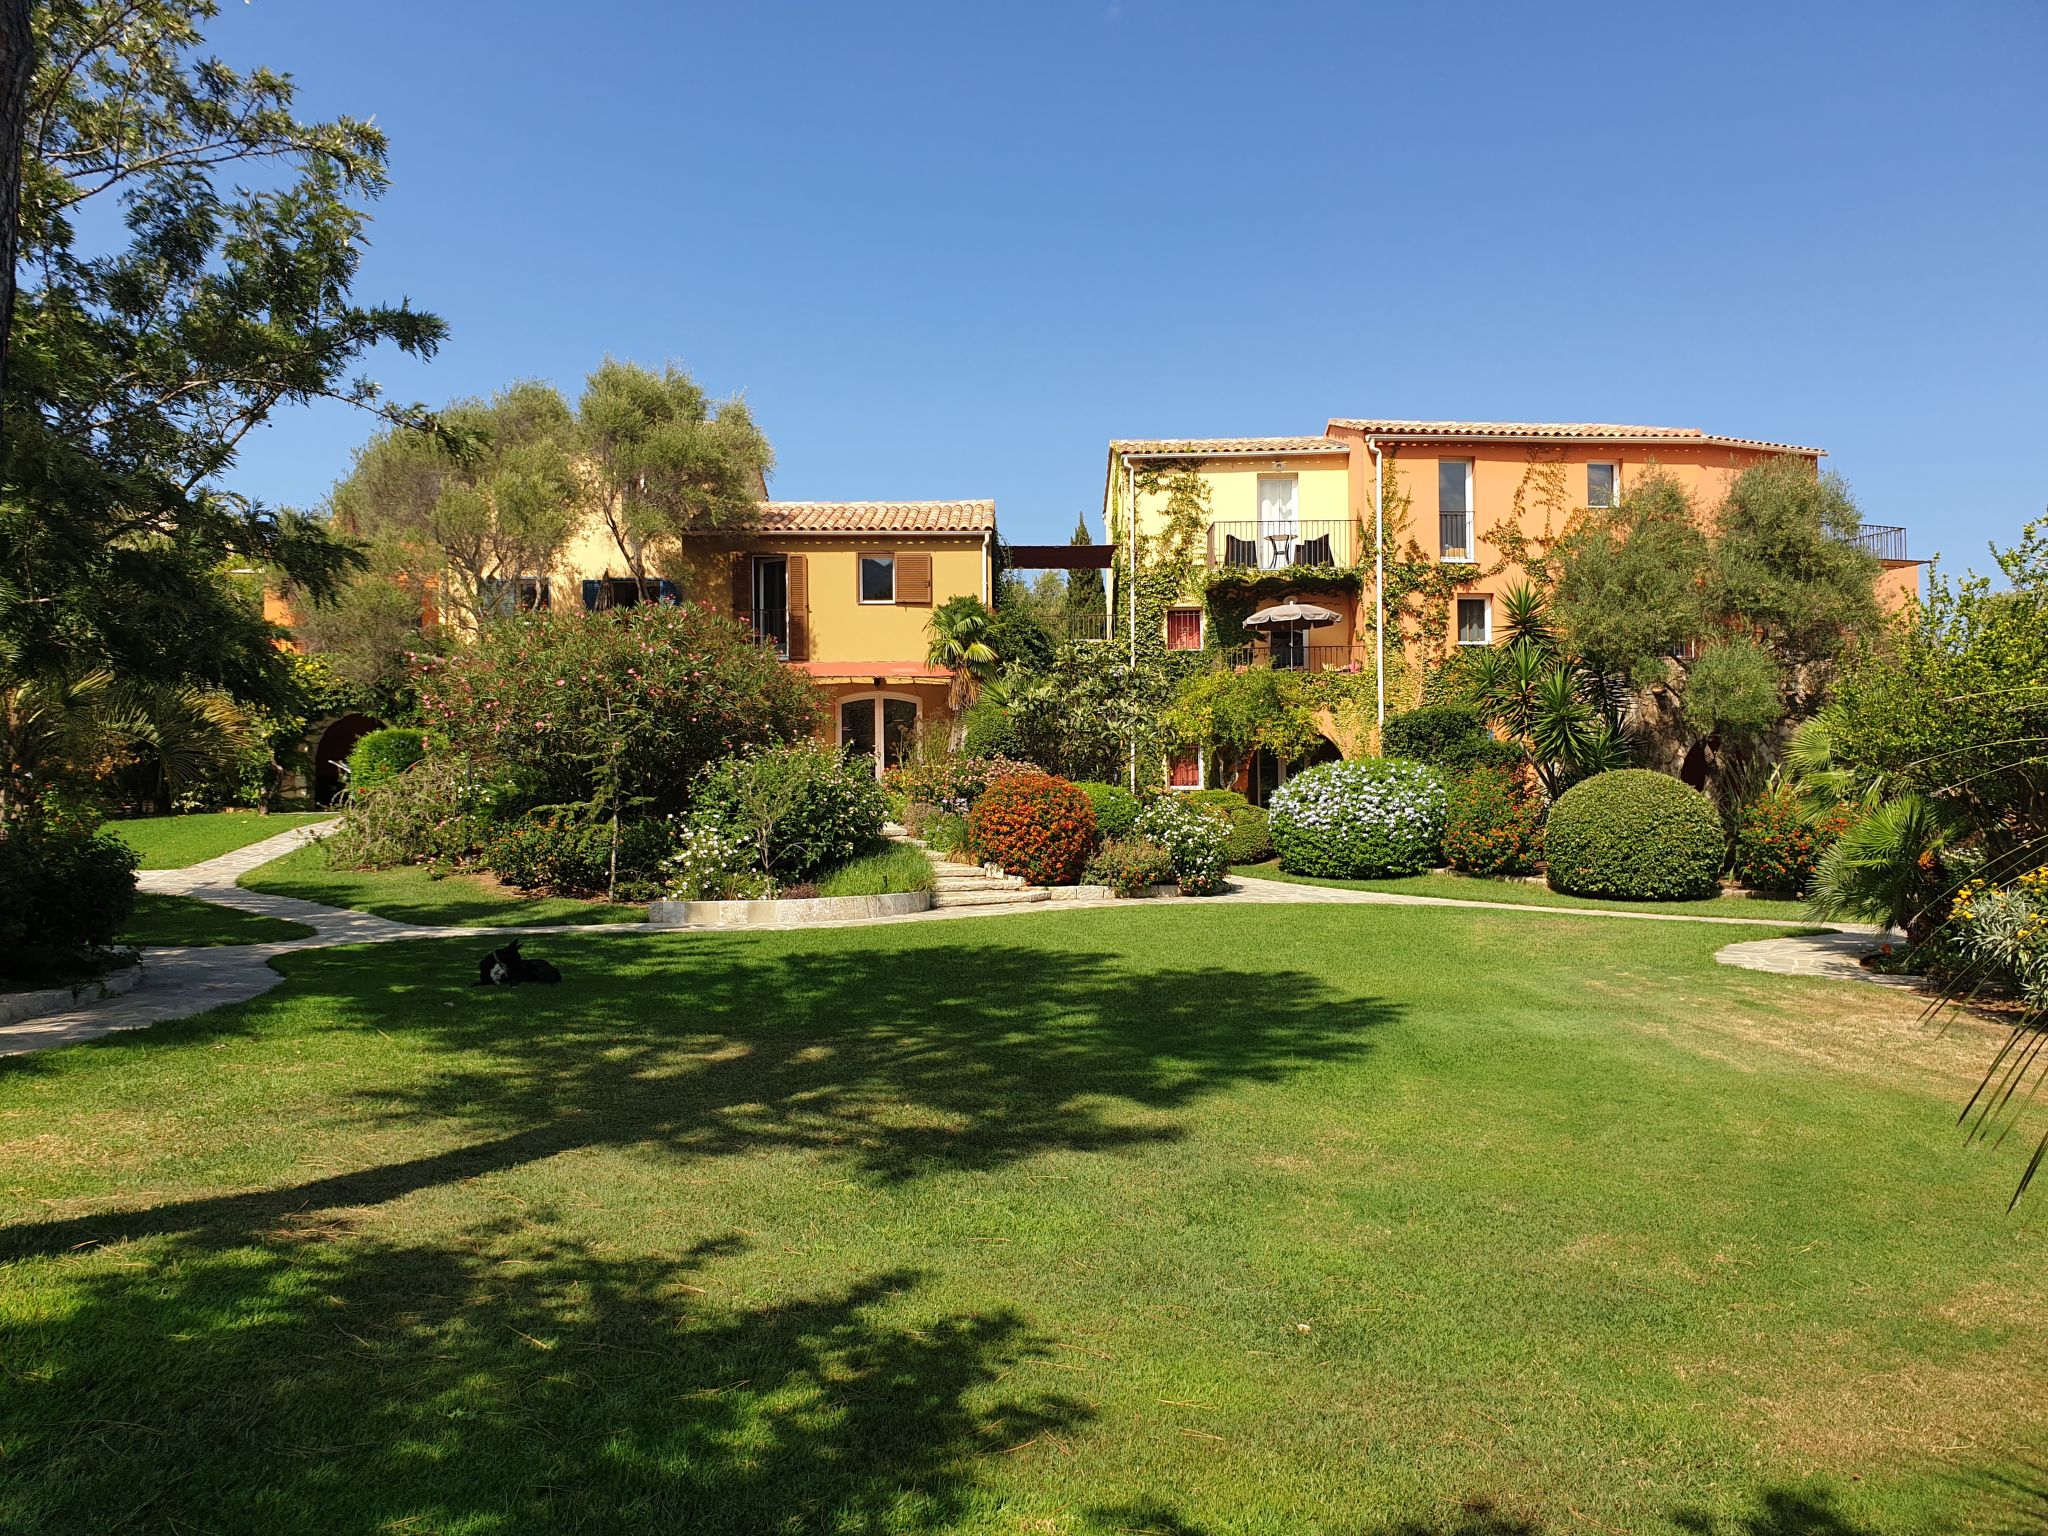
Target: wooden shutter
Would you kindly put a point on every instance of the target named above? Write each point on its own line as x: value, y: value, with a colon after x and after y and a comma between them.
x: 743, y: 588
x: 799, y: 609
x: 914, y: 580
x: 591, y: 591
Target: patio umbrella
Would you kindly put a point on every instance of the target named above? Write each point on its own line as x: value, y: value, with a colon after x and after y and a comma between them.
x: 1292, y: 616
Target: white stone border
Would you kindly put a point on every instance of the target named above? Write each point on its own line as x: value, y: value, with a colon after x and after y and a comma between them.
x: 17, y: 1006
x: 787, y: 910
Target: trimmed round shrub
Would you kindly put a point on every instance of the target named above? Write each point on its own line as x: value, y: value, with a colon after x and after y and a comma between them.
x: 1777, y: 848
x: 797, y: 808
x: 1251, y: 837
x: 987, y: 730
x: 1194, y: 837
x: 1365, y: 819
x: 1128, y: 865
x: 382, y: 756
x: 1492, y: 826
x: 1036, y: 826
x: 64, y: 894
x: 1635, y: 835
x: 1447, y: 736
x: 1116, y: 808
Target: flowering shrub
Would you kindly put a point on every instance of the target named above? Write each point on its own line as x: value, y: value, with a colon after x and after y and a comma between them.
x: 708, y: 865
x: 1634, y: 834
x: 627, y: 705
x: 1251, y: 836
x: 1364, y: 819
x: 953, y: 783
x: 1034, y: 825
x: 1128, y: 865
x: 1491, y: 825
x: 1193, y: 837
x: 1776, y: 847
x: 2004, y: 930
x: 796, y: 808
x: 1116, y: 808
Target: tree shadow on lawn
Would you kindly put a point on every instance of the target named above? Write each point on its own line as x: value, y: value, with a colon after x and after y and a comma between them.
x: 920, y: 1058
x: 500, y: 1382
x: 1777, y: 1512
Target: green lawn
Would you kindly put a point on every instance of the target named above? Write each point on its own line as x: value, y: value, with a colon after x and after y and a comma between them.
x: 172, y: 842
x: 1176, y: 1219
x: 1473, y: 888
x: 185, y: 920
x: 415, y: 895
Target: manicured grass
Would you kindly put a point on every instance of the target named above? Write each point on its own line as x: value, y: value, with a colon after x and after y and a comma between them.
x: 1186, y: 1219
x: 1473, y: 888
x: 890, y: 868
x: 173, y: 842
x: 166, y: 920
x: 416, y: 895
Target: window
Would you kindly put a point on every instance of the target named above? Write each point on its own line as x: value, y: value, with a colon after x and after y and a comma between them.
x: 1184, y: 771
x: 878, y: 578
x: 1279, y: 521
x: 878, y: 727
x: 1475, y: 621
x: 1601, y: 483
x: 771, y: 603
x: 1183, y: 629
x: 1454, y: 508
x: 500, y: 597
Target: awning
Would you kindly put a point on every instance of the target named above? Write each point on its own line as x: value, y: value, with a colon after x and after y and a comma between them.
x: 1293, y: 616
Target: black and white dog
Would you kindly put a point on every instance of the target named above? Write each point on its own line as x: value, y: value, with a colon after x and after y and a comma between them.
x: 508, y: 968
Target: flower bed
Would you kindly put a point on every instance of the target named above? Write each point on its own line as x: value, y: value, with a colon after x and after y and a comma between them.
x: 1367, y: 819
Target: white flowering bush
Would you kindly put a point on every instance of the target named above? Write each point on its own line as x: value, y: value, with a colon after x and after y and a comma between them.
x: 1362, y: 820
x: 1194, y: 838
x: 711, y: 865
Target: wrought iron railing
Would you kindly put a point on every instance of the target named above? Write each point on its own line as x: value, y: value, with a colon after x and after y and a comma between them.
x: 1883, y: 541
x: 1263, y: 547
x: 771, y: 628
x: 1284, y: 653
x: 1456, y: 536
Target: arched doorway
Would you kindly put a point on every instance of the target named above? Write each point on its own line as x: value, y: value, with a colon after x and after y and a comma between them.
x: 880, y: 726
x: 337, y: 740
x: 1265, y: 772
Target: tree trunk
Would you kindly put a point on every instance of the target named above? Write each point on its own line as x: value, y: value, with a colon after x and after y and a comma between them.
x: 17, y: 65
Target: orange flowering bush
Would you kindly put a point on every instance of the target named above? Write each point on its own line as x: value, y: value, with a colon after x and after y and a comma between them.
x: 1492, y: 826
x: 1036, y: 826
x: 1777, y: 847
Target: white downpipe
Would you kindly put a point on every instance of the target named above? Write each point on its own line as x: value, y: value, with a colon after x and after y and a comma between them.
x: 1379, y: 571
x: 1131, y: 597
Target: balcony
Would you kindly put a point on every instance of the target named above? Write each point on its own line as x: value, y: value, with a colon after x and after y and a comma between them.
x: 1264, y: 547
x: 1881, y: 540
x: 1455, y: 536
x: 1293, y: 653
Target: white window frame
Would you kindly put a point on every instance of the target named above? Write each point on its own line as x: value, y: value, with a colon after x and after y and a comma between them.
x: 1201, y: 772
x: 1485, y: 602
x: 1201, y: 624
x: 1471, y: 510
x: 874, y: 698
x: 860, y: 579
x: 1614, y: 488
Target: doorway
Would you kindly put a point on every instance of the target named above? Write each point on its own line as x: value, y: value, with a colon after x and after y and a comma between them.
x: 881, y: 727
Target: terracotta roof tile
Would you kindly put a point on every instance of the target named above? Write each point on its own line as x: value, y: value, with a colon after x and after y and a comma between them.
x: 878, y: 516
x: 1197, y: 445
x: 1560, y: 431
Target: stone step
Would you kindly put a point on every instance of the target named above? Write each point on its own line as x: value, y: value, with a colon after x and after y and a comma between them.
x: 978, y: 883
x: 1014, y: 898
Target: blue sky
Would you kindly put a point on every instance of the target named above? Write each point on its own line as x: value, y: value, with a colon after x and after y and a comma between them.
x: 951, y: 250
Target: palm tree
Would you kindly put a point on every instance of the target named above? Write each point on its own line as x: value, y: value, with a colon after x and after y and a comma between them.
x: 963, y: 641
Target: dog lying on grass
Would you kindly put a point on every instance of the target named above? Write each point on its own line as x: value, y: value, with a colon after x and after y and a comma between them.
x: 508, y: 968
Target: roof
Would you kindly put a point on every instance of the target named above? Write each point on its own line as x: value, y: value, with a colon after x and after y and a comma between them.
x: 878, y: 516
x: 1561, y: 431
x: 1200, y: 445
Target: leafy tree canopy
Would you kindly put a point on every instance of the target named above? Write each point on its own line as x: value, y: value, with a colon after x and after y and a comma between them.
x: 188, y: 245
x: 1630, y: 580
x: 1785, y: 566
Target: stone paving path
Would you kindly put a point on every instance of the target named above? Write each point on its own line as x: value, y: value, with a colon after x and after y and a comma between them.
x: 182, y: 982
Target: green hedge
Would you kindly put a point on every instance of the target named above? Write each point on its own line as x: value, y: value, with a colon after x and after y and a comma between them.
x: 1634, y: 835
x: 1116, y: 808
x: 1448, y: 736
x: 64, y: 894
x: 383, y: 755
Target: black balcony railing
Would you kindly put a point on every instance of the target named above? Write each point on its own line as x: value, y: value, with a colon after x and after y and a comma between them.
x: 1292, y: 653
x: 1264, y: 547
x: 1885, y: 542
x: 1455, y: 536
x: 771, y: 627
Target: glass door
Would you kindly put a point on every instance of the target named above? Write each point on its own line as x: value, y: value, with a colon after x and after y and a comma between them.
x: 771, y: 602
x: 1279, y: 521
